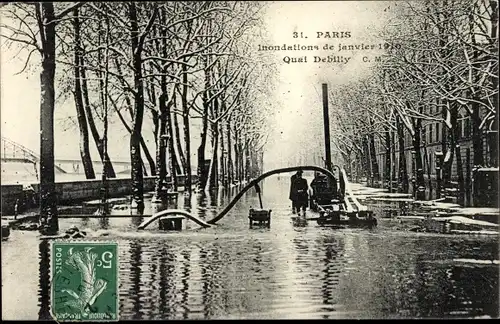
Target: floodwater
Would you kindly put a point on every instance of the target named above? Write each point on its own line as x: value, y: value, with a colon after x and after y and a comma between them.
x: 287, y: 271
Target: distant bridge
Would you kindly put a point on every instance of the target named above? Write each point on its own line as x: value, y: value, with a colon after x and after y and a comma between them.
x: 14, y: 152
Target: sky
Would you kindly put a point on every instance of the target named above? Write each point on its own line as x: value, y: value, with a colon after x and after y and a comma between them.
x: 299, y: 124
x: 297, y: 96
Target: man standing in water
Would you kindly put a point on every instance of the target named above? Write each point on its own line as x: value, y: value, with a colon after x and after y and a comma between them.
x: 298, y: 192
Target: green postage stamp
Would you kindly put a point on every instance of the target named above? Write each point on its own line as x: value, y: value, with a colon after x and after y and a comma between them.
x: 85, y: 281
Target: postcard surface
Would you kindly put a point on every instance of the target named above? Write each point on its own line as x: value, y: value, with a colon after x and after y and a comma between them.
x: 249, y: 160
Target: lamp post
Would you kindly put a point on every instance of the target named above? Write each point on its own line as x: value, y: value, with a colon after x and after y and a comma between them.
x: 164, y: 138
x: 326, y: 126
x: 439, y: 160
x: 225, y: 169
x: 413, y: 177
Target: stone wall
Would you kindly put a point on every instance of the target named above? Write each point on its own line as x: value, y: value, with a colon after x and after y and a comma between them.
x: 75, y: 191
x: 10, y: 193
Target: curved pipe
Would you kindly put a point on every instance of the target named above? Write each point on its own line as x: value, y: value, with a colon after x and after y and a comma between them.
x: 251, y: 184
x: 173, y: 212
x: 262, y: 177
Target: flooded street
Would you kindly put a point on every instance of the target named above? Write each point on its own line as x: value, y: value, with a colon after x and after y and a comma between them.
x: 287, y: 271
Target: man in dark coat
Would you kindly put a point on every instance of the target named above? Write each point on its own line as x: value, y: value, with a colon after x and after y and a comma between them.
x: 298, y: 192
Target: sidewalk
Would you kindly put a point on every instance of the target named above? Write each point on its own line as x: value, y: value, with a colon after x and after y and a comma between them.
x: 437, y: 215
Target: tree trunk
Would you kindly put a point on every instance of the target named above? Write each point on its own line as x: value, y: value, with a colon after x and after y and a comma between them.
x: 253, y: 162
x: 174, y: 165
x: 477, y: 144
x: 212, y: 173
x: 364, y: 158
x: 347, y: 161
x: 222, y: 157
x: 187, y: 132
x: 247, y: 161
x: 443, y: 175
x: 460, y: 176
x: 370, y: 171
x: 48, y: 199
x: 173, y: 141
x: 162, y: 155
x: 108, y: 166
x: 242, y: 161
x: 393, y: 159
x: 149, y: 157
x: 426, y: 156
x: 236, y: 154
x: 135, y: 137
x: 80, y: 111
x: 477, y: 140
x: 388, y: 166
x: 403, y: 172
x: 155, y: 116
x: 144, y: 147
x: 202, y: 175
x: 419, y: 178
x: 229, y: 155
x: 448, y: 145
x: 161, y: 185
x: 373, y: 158
x: 181, y: 161
x: 455, y: 135
x: 160, y: 181
x: 261, y: 162
x: 468, y: 179
x: 493, y: 139
x: 360, y: 169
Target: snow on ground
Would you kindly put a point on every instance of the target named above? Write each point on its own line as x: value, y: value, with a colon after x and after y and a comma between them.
x: 483, y: 232
x: 388, y: 195
x: 477, y: 261
x: 386, y: 199
x: 456, y: 209
x: 109, y: 200
x: 362, y: 192
x: 410, y: 218
x: 360, y: 187
x: 479, y: 211
x: 465, y: 221
x: 437, y: 209
x: 451, y: 219
x: 430, y: 205
x: 487, y: 169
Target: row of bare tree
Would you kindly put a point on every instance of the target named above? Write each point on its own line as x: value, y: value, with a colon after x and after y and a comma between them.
x: 442, y: 60
x: 172, y: 62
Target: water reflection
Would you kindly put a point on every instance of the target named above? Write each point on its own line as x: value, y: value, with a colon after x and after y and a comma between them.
x: 288, y: 270
x: 186, y: 272
x: 135, y: 275
x: 104, y: 222
x: 348, y: 275
x: 165, y: 285
x: 447, y: 289
x: 85, y: 222
x: 213, y: 289
x: 331, y: 271
x: 44, y: 281
x: 187, y: 202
